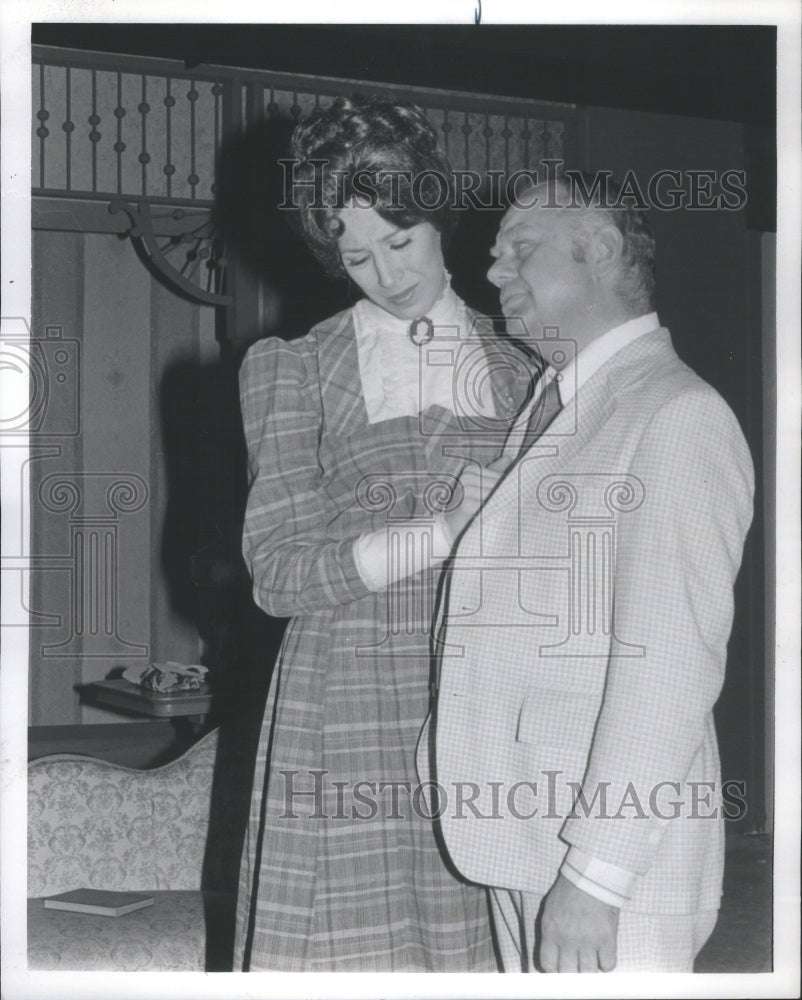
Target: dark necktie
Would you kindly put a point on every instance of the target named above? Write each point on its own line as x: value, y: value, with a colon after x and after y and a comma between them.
x: 543, y: 412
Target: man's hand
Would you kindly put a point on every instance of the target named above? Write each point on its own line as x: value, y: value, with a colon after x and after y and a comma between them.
x: 476, y: 484
x: 578, y: 931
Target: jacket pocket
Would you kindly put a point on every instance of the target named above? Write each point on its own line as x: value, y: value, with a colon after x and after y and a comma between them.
x: 559, y: 719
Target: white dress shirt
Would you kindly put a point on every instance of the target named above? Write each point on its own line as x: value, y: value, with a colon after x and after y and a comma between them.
x: 578, y: 370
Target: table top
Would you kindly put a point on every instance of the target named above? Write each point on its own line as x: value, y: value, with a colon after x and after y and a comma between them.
x: 120, y: 693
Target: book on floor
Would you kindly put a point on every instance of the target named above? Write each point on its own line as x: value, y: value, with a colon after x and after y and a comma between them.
x: 101, y: 901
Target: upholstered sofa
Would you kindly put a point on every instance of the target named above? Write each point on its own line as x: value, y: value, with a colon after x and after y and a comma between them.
x: 96, y: 824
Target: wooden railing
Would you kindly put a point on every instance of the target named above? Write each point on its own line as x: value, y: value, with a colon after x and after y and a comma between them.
x: 109, y: 126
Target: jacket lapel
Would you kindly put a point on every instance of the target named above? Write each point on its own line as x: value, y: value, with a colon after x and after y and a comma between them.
x: 578, y: 424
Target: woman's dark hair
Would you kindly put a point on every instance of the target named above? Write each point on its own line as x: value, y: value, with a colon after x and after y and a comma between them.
x: 369, y: 149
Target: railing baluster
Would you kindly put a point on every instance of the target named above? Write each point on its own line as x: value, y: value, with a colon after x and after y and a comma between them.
x: 144, y: 156
x: 119, y: 145
x: 217, y: 93
x: 169, y: 169
x: 94, y: 135
x: 514, y: 132
x: 68, y: 127
x: 43, y: 131
x: 192, y: 97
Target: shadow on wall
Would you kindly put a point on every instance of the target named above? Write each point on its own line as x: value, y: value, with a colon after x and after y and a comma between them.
x: 206, y: 483
x: 251, y: 186
x: 208, y: 585
x: 204, y: 454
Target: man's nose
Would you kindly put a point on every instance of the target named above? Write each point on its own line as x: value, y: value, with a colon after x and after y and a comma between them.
x: 499, y: 273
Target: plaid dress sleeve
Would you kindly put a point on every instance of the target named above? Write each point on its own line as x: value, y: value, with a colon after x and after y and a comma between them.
x: 296, y: 564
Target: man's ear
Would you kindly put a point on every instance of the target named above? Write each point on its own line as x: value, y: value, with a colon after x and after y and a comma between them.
x: 608, y: 244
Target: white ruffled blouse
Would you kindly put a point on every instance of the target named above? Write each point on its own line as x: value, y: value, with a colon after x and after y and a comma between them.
x: 400, y: 378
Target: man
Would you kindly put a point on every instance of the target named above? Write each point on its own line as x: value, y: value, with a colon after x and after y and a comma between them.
x: 583, y: 636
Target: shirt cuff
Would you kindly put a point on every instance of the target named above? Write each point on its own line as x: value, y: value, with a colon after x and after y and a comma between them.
x: 371, y: 554
x: 598, y: 878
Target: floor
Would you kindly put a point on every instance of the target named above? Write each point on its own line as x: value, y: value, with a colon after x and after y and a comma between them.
x: 742, y: 939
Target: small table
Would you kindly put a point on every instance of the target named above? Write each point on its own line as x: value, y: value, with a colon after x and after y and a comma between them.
x: 120, y: 693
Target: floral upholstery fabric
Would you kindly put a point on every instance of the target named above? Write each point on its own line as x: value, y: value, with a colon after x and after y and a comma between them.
x: 95, y: 824
x: 103, y: 826
x: 168, y: 936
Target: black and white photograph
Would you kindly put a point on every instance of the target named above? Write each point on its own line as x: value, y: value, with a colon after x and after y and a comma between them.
x: 400, y: 464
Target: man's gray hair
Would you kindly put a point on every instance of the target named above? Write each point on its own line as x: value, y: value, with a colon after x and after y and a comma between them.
x: 636, y: 279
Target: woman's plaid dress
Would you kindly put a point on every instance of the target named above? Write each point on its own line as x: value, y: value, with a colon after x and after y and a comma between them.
x: 341, y: 867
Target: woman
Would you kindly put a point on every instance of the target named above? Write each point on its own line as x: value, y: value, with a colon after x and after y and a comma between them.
x: 356, y: 434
